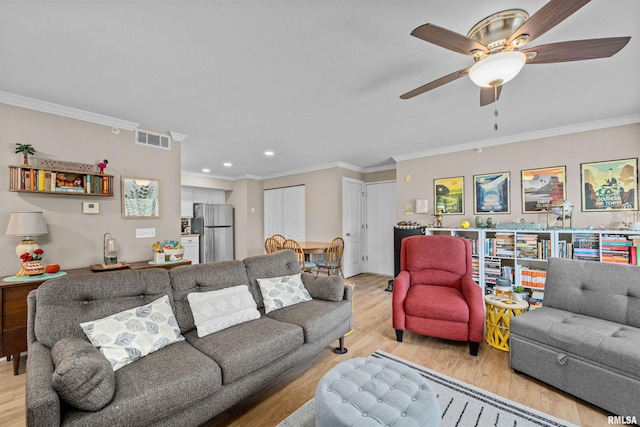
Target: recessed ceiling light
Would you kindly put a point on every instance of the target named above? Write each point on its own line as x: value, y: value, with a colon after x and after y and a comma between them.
x: 268, y: 153
x: 227, y: 164
x: 205, y: 170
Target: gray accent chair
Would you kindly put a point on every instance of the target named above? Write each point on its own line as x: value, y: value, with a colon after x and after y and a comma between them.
x: 585, y: 340
x: 189, y: 382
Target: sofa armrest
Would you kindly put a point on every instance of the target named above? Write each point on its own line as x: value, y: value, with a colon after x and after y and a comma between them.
x: 475, y: 300
x: 327, y: 288
x: 401, y: 286
x: 42, y: 401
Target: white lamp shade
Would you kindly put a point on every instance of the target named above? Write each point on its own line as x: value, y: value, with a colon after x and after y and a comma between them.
x: 502, y: 67
x: 26, y: 224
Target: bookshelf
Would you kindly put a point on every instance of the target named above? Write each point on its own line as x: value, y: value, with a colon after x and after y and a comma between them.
x: 42, y: 180
x: 521, y: 255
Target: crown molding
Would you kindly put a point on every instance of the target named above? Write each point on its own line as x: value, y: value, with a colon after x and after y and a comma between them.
x: 61, y: 110
x: 564, y: 130
x: 178, y: 137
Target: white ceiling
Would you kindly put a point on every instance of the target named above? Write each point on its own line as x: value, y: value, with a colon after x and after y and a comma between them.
x: 318, y: 82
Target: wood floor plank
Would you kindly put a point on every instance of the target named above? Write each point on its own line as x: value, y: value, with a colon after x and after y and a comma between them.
x: 489, y: 370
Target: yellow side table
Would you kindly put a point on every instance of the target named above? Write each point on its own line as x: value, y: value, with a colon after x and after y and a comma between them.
x: 498, y: 316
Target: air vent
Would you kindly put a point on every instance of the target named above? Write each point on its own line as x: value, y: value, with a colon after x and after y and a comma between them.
x: 153, y: 139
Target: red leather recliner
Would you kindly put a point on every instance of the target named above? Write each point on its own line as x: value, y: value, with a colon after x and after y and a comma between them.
x: 435, y: 294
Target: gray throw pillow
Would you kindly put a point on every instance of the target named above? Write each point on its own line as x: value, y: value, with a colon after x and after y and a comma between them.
x: 325, y: 288
x: 83, y: 377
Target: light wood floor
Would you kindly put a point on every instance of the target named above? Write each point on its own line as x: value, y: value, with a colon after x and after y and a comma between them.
x: 489, y: 370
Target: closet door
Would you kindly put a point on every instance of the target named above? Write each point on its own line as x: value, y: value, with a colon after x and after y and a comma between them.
x: 284, y: 212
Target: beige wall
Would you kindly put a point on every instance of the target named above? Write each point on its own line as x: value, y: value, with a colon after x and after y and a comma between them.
x: 75, y: 239
x: 246, y: 199
x: 205, y: 182
x: 569, y: 150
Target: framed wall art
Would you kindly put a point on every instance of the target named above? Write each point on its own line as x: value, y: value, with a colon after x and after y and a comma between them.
x: 491, y: 193
x: 449, y: 195
x: 610, y: 185
x: 140, y: 197
x: 543, y: 186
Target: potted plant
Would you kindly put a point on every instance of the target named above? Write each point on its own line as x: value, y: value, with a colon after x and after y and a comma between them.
x: 25, y: 149
x: 517, y: 293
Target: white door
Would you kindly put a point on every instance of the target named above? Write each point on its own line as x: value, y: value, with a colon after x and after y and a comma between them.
x: 273, y: 213
x: 380, y: 218
x: 284, y: 212
x: 352, y: 226
x: 293, y: 199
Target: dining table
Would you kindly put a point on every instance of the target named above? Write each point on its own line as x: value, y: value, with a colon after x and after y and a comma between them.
x: 311, y: 248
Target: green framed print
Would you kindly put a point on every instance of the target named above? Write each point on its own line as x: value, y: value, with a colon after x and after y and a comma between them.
x: 140, y: 197
x: 610, y: 185
x: 491, y: 193
x: 449, y: 195
x: 542, y: 187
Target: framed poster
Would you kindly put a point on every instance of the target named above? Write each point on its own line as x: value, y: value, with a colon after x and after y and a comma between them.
x: 541, y: 187
x: 491, y: 193
x: 609, y: 186
x: 449, y: 195
x: 140, y: 197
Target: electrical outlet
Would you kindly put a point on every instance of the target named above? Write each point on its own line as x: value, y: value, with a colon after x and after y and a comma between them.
x: 143, y: 233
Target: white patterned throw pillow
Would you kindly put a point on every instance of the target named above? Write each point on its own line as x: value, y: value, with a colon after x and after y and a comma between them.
x: 214, y: 311
x: 131, y: 334
x: 280, y: 292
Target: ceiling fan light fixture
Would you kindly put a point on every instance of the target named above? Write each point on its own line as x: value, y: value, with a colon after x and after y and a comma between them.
x: 499, y: 67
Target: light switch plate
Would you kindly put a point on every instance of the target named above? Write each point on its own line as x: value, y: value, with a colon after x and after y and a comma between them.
x: 91, y: 208
x: 143, y: 233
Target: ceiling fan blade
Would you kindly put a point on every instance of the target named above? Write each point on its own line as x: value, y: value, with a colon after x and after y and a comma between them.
x: 448, y: 39
x: 576, y: 50
x: 546, y: 18
x: 436, y: 83
x: 489, y: 95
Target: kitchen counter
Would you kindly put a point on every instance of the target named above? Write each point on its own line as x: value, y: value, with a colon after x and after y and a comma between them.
x: 189, y: 235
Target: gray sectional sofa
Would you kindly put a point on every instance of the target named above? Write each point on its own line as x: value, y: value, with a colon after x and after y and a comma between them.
x: 585, y: 340
x: 191, y: 381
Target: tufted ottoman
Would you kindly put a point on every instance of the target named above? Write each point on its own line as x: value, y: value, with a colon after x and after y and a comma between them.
x: 375, y: 392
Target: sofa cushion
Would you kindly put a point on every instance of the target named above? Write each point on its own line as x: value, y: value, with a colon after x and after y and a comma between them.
x: 155, y: 387
x: 83, y: 376
x: 328, y: 288
x: 247, y: 347
x: 281, y: 263
x: 280, y: 292
x: 608, y: 343
x: 214, y: 311
x: 607, y: 291
x: 131, y: 334
x: 315, y: 317
x: 93, y: 296
x: 436, y: 302
x: 205, y: 277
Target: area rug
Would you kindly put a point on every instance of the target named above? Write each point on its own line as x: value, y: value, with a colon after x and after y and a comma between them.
x: 461, y: 404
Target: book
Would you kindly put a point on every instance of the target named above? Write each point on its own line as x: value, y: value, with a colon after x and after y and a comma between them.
x: 47, y: 181
x: 40, y: 186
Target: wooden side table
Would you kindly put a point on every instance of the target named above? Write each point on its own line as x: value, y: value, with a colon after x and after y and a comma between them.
x: 498, y: 316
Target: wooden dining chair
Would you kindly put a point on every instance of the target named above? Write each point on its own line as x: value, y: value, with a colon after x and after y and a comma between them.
x: 271, y: 245
x: 280, y: 239
x: 333, y: 257
x: 295, y: 246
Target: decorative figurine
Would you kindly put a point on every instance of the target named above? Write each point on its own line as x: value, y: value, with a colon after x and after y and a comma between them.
x: 438, y: 216
x: 102, y: 165
x: 25, y: 149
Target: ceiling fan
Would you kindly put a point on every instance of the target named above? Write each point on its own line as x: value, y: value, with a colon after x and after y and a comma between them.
x: 495, y: 43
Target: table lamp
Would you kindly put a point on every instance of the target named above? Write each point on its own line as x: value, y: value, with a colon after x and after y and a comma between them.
x: 26, y: 224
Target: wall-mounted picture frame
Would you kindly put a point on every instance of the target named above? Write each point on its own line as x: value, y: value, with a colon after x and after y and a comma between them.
x: 610, y: 185
x: 491, y: 193
x: 140, y: 197
x: 542, y: 187
x: 449, y: 195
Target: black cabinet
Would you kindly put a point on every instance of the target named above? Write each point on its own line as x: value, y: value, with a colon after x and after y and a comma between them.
x: 398, y: 235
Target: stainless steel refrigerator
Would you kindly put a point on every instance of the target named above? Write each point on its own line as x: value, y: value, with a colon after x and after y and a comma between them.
x: 214, y: 224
